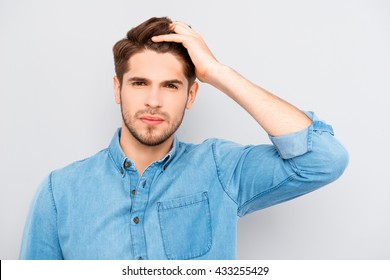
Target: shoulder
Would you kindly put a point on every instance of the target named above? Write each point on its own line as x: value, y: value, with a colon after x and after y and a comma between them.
x: 81, y: 168
x: 215, y: 147
x: 210, y: 144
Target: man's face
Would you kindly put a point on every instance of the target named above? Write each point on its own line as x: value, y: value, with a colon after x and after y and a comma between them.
x: 154, y: 96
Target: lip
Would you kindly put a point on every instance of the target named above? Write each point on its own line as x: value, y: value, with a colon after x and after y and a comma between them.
x: 151, y: 120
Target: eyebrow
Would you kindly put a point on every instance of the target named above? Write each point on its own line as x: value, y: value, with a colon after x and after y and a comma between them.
x: 137, y: 79
x: 174, y: 81
x: 141, y: 79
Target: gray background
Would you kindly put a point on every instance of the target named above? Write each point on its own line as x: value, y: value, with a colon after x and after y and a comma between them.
x: 332, y: 57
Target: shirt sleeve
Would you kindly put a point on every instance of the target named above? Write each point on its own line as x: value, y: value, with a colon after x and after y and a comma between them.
x: 40, y: 238
x: 260, y: 176
x: 299, y: 143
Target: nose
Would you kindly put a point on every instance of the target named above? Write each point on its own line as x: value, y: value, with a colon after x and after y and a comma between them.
x: 153, y: 98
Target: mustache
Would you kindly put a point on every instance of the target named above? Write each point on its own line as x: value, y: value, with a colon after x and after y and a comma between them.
x: 152, y: 112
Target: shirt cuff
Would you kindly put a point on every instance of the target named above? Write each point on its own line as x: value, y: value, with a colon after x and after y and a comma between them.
x: 300, y: 142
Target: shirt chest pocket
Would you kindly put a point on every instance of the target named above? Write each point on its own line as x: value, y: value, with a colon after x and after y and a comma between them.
x: 185, y: 225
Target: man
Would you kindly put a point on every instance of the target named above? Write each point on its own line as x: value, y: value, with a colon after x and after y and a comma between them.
x: 149, y: 196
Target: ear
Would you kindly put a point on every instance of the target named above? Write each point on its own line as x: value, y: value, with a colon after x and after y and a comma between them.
x: 117, y: 90
x: 192, y: 94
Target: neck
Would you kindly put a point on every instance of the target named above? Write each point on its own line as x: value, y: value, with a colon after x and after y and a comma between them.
x: 143, y: 155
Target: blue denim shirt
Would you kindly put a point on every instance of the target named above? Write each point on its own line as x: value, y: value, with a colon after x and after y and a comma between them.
x: 184, y: 206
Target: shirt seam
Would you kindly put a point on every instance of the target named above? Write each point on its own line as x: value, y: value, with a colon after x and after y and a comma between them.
x: 55, y: 209
x: 296, y: 171
x: 309, y: 142
x: 180, y: 206
x: 218, y: 174
x: 288, y: 179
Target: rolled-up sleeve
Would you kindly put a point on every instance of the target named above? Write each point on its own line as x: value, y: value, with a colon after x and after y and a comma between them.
x: 299, y: 143
x: 264, y: 175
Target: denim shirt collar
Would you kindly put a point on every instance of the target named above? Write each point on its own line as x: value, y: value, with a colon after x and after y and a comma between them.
x: 120, y: 159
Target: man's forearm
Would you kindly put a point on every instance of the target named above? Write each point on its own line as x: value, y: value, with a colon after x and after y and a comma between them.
x: 276, y: 116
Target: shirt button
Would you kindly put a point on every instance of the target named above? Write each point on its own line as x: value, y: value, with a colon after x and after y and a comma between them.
x: 127, y: 164
x: 136, y: 220
x: 133, y: 192
x: 122, y: 171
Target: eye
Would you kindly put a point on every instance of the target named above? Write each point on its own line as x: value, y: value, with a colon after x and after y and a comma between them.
x: 138, y: 83
x: 171, y: 86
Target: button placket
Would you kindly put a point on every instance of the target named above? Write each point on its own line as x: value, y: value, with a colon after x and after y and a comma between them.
x: 139, y: 194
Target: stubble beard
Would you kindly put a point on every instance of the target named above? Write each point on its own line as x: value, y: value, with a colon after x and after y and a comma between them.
x: 151, y: 136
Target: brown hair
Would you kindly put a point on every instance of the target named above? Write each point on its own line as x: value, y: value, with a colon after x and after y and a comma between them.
x: 138, y: 39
